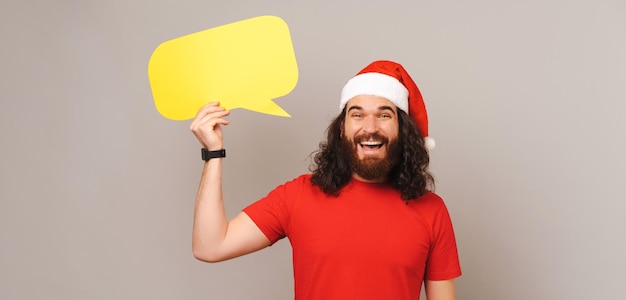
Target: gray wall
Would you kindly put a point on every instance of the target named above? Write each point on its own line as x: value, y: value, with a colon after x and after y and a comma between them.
x: 526, y: 100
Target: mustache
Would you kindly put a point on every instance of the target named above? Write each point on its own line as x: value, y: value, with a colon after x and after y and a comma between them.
x: 371, y: 136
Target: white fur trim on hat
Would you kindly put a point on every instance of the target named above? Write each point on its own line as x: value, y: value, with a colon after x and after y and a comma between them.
x: 376, y: 84
x: 429, y: 143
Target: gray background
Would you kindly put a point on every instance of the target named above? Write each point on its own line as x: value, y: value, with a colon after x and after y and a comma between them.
x: 526, y: 100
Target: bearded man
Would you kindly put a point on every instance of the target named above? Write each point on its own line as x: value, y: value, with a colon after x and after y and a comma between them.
x: 365, y: 223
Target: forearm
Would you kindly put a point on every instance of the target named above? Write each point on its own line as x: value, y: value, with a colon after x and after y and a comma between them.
x: 210, y: 222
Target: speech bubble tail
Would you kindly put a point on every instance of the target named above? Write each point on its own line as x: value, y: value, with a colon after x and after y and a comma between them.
x: 267, y: 107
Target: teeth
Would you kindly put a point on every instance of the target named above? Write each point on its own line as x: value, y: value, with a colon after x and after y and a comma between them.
x: 372, y: 143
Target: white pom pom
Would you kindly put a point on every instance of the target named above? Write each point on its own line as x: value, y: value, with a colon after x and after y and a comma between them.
x: 429, y: 143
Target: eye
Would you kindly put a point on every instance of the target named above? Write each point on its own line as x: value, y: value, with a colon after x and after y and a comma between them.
x: 356, y: 115
x: 385, y: 116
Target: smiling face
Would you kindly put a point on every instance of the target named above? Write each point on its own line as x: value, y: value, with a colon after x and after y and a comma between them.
x: 371, y: 132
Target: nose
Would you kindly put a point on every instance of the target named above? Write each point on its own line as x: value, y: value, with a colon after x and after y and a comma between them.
x: 370, y: 124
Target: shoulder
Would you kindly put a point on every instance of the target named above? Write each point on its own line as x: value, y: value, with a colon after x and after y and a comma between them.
x: 301, y: 180
x: 304, y: 178
x: 429, y: 205
x: 430, y: 199
x: 295, y: 185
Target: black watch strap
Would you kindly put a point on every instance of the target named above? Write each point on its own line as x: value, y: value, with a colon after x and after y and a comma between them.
x: 206, y: 154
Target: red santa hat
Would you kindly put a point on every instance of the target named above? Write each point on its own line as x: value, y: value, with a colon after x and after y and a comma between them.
x: 391, y: 81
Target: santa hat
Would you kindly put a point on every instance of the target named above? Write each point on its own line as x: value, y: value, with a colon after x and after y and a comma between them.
x: 391, y: 81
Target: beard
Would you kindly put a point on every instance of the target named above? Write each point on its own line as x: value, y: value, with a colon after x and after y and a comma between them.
x: 371, y: 168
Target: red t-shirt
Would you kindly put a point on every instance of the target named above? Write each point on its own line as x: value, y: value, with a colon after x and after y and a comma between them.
x: 364, y: 244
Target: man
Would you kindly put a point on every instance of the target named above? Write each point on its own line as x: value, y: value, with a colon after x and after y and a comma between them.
x: 364, y: 224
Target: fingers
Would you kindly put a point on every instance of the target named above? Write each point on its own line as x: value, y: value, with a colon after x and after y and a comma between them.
x: 206, y: 125
x: 209, y: 116
x: 208, y: 108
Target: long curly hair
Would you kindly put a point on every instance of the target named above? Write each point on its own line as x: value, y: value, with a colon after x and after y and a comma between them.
x: 332, y: 169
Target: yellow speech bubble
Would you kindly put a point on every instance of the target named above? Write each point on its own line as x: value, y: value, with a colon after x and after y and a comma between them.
x: 244, y: 64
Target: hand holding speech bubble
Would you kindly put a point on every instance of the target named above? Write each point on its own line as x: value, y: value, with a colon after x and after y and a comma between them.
x: 244, y: 64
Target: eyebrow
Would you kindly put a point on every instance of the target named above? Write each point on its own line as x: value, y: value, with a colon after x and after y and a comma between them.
x: 383, y: 107
x: 386, y: 107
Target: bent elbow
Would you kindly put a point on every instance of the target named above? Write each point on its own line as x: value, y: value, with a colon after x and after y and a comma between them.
x: 206, y: 256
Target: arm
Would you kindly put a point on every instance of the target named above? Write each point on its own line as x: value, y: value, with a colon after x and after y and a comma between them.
x: 440, y: 289
x: 214, y: 238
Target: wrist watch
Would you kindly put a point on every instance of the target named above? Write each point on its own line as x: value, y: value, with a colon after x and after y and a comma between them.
x: 206, y: 154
